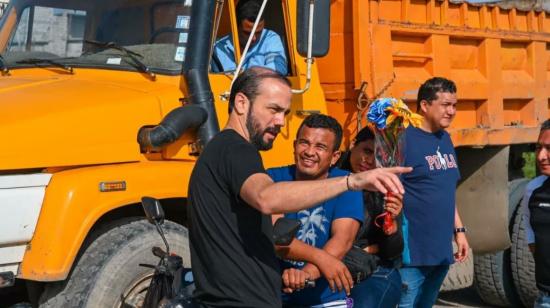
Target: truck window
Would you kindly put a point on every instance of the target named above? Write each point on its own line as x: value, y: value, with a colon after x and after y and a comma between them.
x: 269, y: 48
x: 79, y: 33
x: 35, y: 35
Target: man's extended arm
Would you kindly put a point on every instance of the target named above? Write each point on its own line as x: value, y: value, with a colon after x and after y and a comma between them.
x: 268, y: 197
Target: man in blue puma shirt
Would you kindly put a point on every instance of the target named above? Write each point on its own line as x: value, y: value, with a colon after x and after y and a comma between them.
x: 429, y: 203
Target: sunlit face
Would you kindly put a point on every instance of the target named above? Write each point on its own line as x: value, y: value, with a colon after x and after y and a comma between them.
x: 362, y: 156
x: 314, y: 153
x: 441, y: 112
x: 267, y: 114
x: 543, y: 152
x: 245, y: 30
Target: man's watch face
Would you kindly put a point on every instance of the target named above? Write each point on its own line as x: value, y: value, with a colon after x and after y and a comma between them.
x: 460, y: 230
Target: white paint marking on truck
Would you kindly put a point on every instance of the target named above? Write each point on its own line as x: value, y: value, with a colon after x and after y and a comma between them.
x: 114, y: 61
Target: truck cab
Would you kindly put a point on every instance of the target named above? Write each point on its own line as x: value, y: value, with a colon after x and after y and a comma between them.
x: 79, y: 81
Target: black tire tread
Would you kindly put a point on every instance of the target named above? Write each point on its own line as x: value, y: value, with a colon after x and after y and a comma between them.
x: 522, y: 263
x: 489, y: 279
x: 74, y: 291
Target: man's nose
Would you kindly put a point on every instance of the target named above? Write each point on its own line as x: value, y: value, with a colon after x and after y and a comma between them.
x: 279, y: 120
x: 542, y: 154
x: 309, y: 151
x: 451, y: 110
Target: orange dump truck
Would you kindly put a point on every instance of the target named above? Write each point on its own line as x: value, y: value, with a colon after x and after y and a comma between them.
x: 498, y: 55
x: 85, y: 84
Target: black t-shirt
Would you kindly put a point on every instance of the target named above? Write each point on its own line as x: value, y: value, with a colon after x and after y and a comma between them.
x: 539, y: 206
x: 232, y: 253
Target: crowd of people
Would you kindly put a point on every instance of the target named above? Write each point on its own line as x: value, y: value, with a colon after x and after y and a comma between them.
x: 336, y: 196
x: 233, y: 202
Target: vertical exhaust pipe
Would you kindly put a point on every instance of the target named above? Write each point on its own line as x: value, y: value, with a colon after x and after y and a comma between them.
x: 195, y: 68
x: 200, y: 111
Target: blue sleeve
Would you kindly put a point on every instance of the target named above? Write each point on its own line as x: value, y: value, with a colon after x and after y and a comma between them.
x: 281, y: 174
x: 531, y: 186
x: 350, y: 205
x: 275, y: 55
x: 224, y: 56
x: 272, y: 172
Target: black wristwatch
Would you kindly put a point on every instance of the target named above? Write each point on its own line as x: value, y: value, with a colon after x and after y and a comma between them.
x: 461, y: 229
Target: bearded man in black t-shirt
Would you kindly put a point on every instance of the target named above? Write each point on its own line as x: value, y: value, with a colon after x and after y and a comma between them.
x: 231, y: 197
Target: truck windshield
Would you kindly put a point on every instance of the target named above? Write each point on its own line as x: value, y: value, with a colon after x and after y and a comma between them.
x: 151, y: 32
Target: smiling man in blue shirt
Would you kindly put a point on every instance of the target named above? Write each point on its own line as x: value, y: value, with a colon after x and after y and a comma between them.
x: 266, y: 48
x: 328, y: 229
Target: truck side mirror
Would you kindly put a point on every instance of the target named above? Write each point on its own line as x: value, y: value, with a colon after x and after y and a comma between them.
x: 153, y: 210
x: 321, y: 27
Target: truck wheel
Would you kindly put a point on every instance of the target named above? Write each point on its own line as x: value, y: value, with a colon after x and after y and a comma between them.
x: 108, y: 273
x: 461, y: 275
x: 522, y: 263
x: 493, y: 278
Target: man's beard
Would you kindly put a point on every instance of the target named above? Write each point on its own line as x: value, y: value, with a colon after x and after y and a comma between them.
x: 257, y: 134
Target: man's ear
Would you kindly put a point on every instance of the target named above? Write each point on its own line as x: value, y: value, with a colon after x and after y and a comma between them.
x: 335, y: 157
x: 242, y: 104
x: 424, y: 106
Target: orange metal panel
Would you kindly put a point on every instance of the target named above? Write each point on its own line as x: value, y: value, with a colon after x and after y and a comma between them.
x: 499, y: 59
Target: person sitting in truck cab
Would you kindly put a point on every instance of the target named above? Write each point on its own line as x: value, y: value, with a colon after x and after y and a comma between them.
x: 266, y: 48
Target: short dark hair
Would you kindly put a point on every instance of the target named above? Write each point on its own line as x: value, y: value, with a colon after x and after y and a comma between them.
x: 364, y: 135
x: 249, y: 82
x: 545, y: 125
x: 248, y: 9
x: 318, y: 120
x: 429, y: 89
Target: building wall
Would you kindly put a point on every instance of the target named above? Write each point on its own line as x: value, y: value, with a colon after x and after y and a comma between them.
x: 3, y: 4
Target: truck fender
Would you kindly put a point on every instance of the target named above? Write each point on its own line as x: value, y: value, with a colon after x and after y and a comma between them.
x: 73, y: 203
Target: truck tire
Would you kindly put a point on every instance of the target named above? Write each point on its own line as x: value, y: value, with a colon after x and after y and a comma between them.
x: 493, y: 278
x: 522, y: 263
x: 108, y: 272
x: 460, y: 275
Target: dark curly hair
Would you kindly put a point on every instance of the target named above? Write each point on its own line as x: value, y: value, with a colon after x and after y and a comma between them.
x: 324, y: 121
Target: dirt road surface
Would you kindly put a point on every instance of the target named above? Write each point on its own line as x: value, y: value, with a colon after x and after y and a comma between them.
x: 460, y: 298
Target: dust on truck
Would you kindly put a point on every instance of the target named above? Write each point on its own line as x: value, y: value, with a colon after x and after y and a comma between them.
x: 85, y: 84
